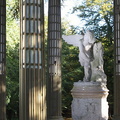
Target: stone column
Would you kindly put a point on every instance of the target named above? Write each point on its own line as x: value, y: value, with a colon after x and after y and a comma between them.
x: 117, y: 59
x: 54, y: 61
x: 32, y: 61
x: 2, y: 59
x: 89, y: 101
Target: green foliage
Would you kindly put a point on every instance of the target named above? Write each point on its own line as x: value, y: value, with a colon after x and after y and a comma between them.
x: 98, y: 15
x: 13, y: 9
x: 71, y: 69
x: 71, y: 72
x: 12, y: 63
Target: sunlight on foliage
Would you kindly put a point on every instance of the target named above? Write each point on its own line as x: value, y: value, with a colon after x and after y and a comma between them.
x: 12, y: 58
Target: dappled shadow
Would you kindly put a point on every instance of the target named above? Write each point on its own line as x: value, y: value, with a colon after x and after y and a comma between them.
x: 33, y: 95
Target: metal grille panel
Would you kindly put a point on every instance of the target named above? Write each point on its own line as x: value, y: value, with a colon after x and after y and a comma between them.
x: 117, y: 59
x: 32, y: 66
x: 54, y: 60
x: 2, y: 37
x: 2, y: 59
x: 117, y: 37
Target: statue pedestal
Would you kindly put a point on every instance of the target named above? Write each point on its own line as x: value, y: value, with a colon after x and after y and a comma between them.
x: 89, y: 101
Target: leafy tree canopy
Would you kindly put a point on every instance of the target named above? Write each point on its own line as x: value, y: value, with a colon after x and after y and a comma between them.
x: 12, y: 59
x: 98, y: 15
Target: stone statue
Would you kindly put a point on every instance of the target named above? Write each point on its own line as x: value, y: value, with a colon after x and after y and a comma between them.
x: 90, y: 55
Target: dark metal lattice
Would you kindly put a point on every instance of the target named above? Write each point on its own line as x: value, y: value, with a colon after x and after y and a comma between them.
x: 32, y: 62
x: 117, y: 59
x: 54, y: 60
x: 117, y: 37
x: 2, y: 59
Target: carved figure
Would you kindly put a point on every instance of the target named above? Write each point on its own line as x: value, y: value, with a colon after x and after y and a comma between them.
x: 97, y: 64
x: 90, y: 55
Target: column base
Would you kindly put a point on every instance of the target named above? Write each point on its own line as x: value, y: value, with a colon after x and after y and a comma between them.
x: 89, y: 101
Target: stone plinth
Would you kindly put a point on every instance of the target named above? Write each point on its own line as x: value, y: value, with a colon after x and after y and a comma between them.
x: 89, y: 101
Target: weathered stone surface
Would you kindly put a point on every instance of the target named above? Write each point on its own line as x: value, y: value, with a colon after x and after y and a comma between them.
x: 89, y: 101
